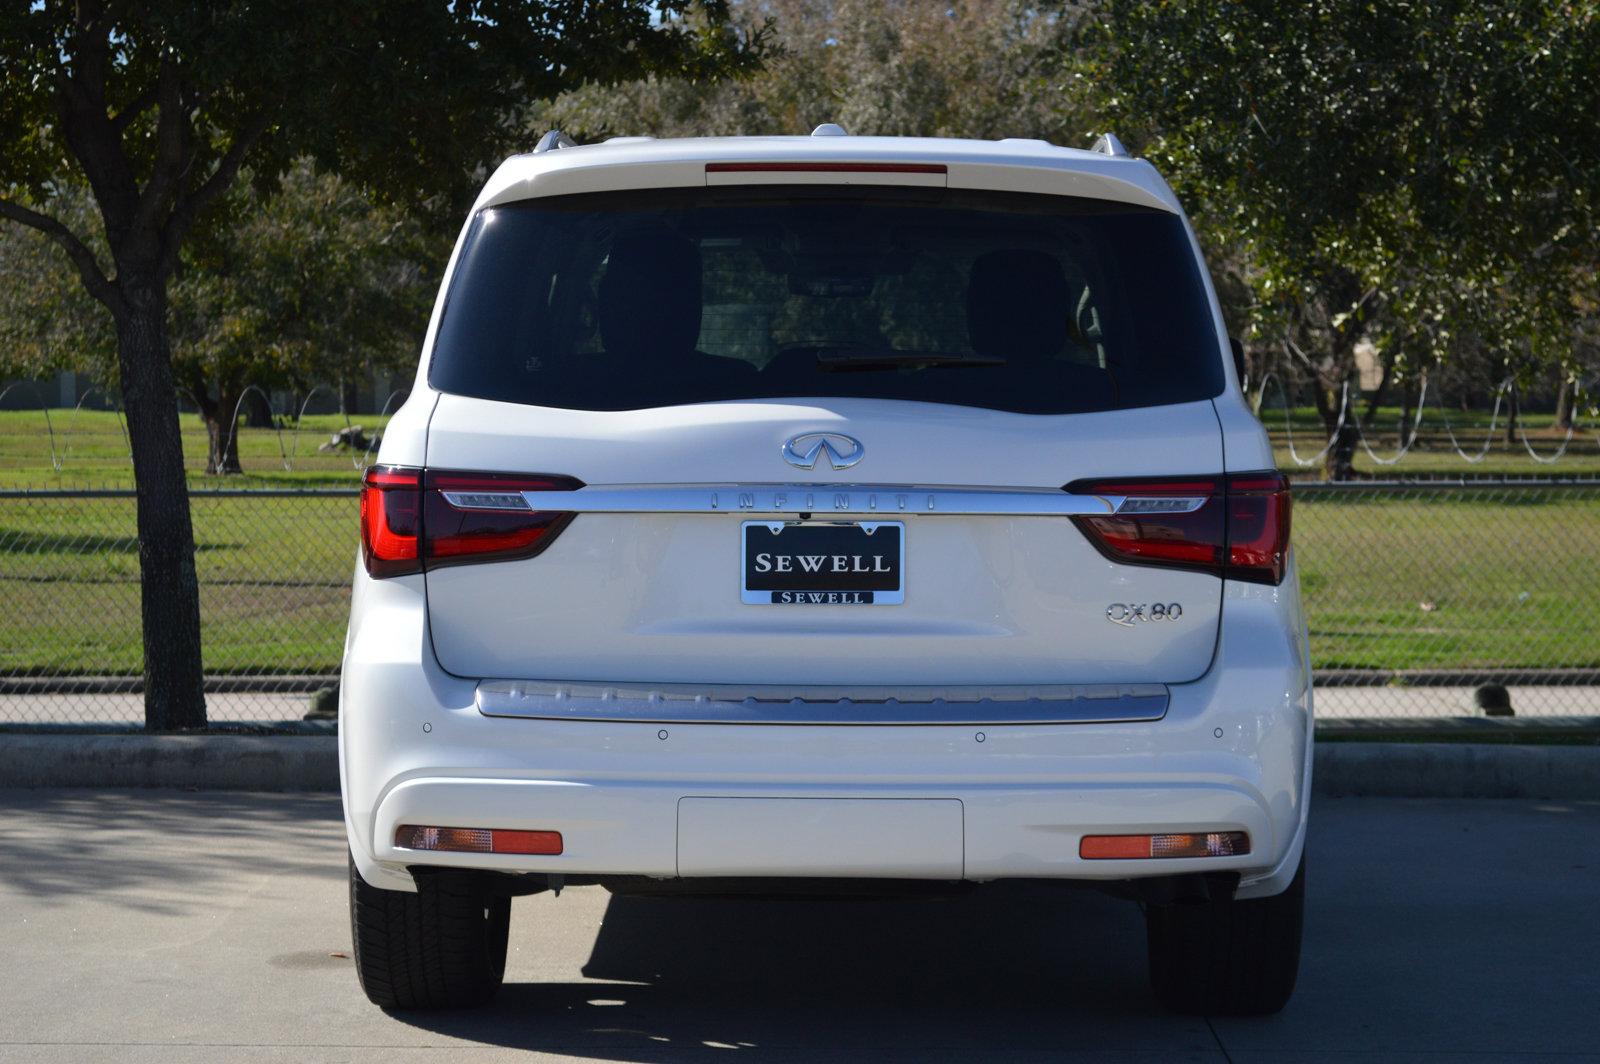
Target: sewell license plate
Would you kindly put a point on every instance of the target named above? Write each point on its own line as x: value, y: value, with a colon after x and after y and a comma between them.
x: 847, y: 563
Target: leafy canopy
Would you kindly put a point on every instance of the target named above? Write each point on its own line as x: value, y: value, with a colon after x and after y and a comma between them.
x: 159, y: 103
x: 1430, y: 162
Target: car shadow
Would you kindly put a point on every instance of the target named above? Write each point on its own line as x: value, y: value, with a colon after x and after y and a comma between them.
x: 999, y: 971
x: 66, y: 844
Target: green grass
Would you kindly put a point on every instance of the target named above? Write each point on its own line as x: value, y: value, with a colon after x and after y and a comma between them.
x: 1462, y: 582
x: 1511, y: 584
x: 92, y: 452
x: 274, y: 575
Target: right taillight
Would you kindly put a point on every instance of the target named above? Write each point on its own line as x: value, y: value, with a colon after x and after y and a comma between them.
x: 1235, y: 526
x: 413, y: 520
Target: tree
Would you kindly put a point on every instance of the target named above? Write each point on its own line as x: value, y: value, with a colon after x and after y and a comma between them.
x: 1417, y: 174
x: 311, y: 283
x: 969, y: 68
x: 159, y: 104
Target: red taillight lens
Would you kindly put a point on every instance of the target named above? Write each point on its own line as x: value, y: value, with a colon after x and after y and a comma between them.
x: 413, y: 520
x: 390, y: 521
x: 1258, y: 527
x: 826, y: 168
x: 1236, y: 526
x: 479, y: 517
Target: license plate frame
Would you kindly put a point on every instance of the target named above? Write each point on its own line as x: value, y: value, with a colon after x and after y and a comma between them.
x: 871, y: 586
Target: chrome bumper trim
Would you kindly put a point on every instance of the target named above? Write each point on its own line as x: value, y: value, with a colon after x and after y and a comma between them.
x: 681, y: 704
x: 854, y: 499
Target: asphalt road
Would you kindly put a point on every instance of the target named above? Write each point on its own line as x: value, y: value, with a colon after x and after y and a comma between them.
x: 188, y: 928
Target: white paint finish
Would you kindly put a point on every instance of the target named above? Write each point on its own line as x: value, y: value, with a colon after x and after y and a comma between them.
x: 847, y: 837
x: 1032, y: 788
x: 742, y: 442
x: 1246, y: 443
x: 988, y: 600
x: 1005, y: 601
x: 655, y: 598
x: 1029, y: 166
x: 603, y: 829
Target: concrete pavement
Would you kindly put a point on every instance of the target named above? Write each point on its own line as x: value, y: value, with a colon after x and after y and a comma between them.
x: 152, y: 926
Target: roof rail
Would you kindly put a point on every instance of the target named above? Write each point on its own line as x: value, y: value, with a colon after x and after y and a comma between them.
x: 1108, y: 144
x: 553, y: 140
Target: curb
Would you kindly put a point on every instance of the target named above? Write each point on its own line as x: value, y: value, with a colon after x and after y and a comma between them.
x: 311, y: 763
x: 192, y: 762
x: 1456, y: 770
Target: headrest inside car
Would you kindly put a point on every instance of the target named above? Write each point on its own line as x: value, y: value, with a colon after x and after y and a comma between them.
x: 1017, y: 304
x: 649, y: 296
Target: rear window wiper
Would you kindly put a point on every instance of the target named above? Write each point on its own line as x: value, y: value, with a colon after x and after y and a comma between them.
x: 845, y: 359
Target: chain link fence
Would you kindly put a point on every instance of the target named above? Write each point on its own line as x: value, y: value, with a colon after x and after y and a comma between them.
x: 1418, y: 595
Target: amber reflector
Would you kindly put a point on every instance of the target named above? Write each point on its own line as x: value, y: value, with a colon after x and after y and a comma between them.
x: 1126, y: 847
x: 477, y: 840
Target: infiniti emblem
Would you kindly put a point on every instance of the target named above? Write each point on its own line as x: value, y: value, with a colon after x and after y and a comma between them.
x: 804, y: 450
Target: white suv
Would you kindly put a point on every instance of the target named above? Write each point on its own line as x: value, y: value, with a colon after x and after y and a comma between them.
x: 844, y: 511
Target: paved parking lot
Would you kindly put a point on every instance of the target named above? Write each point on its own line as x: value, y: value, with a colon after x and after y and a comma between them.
x: 169, y: 927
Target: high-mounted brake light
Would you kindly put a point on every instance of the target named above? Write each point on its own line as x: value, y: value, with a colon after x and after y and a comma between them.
x: 413, y: 520
x: 1235, y: 526
x: 825, y: 168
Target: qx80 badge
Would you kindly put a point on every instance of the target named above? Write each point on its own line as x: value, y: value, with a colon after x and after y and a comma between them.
x: 1129, y: 614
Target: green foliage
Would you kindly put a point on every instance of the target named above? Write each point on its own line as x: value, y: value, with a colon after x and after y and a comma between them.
x: 1423, y: 172
x: 899, y: 68
x: 403, y: 95
x: 313, y: 282
x: 48, y: 322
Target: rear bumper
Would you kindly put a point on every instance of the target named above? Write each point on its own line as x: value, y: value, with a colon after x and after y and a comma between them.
x: 959, y: 801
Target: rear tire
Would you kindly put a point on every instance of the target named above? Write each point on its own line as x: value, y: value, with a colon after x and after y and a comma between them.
x: 1226, y: 957
x: 443, y: 947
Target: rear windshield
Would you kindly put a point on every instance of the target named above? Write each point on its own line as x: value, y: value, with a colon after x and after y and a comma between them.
x: 625, y: 300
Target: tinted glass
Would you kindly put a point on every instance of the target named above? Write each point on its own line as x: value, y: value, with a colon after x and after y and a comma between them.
x: 1033, y: 304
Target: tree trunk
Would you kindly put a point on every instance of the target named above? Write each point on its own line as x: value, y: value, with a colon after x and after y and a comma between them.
x: 1339, y: 462
x: 222, y: 432
x: 1375, y: 400
x: 1564, y: 405
x: 1512, y: 410
x: 257, y: 411
x: 174, y: 689
x: 1410, y: 393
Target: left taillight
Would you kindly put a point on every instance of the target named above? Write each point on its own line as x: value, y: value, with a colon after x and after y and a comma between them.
x: 413, y: 519
x: 391, y: 521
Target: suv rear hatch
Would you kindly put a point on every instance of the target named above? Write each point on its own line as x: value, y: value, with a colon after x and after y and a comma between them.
x: 961, y: 358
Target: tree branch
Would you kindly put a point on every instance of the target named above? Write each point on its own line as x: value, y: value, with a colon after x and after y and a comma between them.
x: 94, y: 278
x: 192, y: 203
x: 136, y: 106
x: 173, y: 150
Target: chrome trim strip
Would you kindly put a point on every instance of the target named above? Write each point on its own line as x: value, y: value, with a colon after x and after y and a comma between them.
x: 866, y: 499
x: 1140, y: 505
x: 677, y: 704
